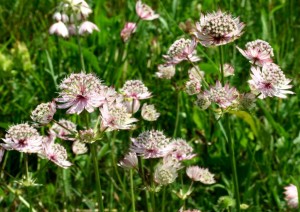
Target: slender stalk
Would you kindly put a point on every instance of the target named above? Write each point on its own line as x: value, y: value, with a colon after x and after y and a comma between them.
x: 142, y: 174
x: 152, y: 195
x: 163, y: 199
x: 221, y: 64
x: 201, y: 77
x: 79, y: 45
x: 26, y: 166
x: 132, y: 191
x: 227, y: 132
x: 97, y: 176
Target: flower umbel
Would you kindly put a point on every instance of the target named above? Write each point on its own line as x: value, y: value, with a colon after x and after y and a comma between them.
x: 269, y: 81
x: 23, y: 138
x: 128, y: 30
x: 44, y: 113
x: 291, y: 196
x: 79, y: 92
x: 149, y: 113
x: 218, y: 28
x: 165, y: 71
x: 144, y: 11
x: 130, y: 161
x: 196, y: 173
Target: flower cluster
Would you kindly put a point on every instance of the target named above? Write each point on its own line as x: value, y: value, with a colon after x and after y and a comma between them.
x: 291, y: 196
x: 196, y: 173
x: 71, y: 19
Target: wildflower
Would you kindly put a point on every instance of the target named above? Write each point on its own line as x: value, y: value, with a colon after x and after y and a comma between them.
x: 54, y: 152
x: 181, y: 150
x: 60, y: 29
x: 291, y: 196
x: 44, y: 112
x: 144, y: 11
x: 150, y: 144
x: 87, y: 27
x: 196, y: 173
x: 87, y: 136
x: 116, y: 117
x: 130, y: 161
x: 223, y: 96
x: 228, y: 70
x: 218, y: 28
x: 193, y: 86
x: 202, y: 101
x: 246, y: 101
x: 64, y: 129
x: 258, y: 52
x: 165, y: 71
x: 135, y: 89
x: 79, y: 148
x: 128, y: 29
x: 165, y: 173
x: 79, y: 6
x: 149, y: 112
x: 79, y: 92
x: 110, y: 96
x: 269, y: 81
x: 182, y: 49
x: 23, y: 138
x: 57, y: 16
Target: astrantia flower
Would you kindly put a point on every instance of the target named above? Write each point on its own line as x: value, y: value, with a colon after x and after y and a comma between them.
x: 79, y: 92
x: 23, y: 138
x: 182, y: 49
x: 60, y: 29
x: 291, y: 196
x: 223, y: 96
x: 135, y: 89
x: 246, y: 101
x: 144, y: 11
x: 116, y: 117
x: 130, y: 161
x: 196, y: 173
x: 269, y: 81
x: 79, y: 148
x: 128, y: 29
x: 79, y: 6
x: 54, y: 152
x: 218, y: 28
x: 165, y: 71
x: 57, y: 16
x: 228, y: 70
x: 87, y: 136
x: 87, y: 27
x: 64, y: 129
x: 165, y: 173
x: 193, y: 86
x: 150, y: 144
x: 258, y: 52
x: 202, y: 101
x: 149, y: 113
x: 44, y: 112
x: 181, y: 150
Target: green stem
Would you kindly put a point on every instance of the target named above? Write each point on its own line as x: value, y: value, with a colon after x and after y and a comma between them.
x: 98, y: 183
x: 199, y: 74
x: 163, y: 199
x: 145, y: 184
x: 132, y: 191
x: 79, y: 45
x: 26, y: 166
x: 152, y: 195
x: 221, y: 64
x: 233, y: 163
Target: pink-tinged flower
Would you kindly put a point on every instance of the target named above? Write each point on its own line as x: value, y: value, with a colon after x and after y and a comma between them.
x: 87, y: 27
x: 258, y: 52
x: 291, y: 196
x: 23, y: 138
x: 182, y: 49
x: 44, y: 113
x: 150, y: 144
x: 181, y: 150
x: 64, y: 129
x: 269, y: 81
x: 87, y: 136
x: 79, y: 6
x: 202, y: 101
x: 72, y: 29
x: 79, y: 148
x: 135, y: 89
x: 57, y: 16
x: 228, y: 70
x: 128, y: 30
x: 218, y: 28
x: 193, y: 86
x: 165, y: 71
x: 130, y: 161
x: 2, y: 151
x: 60, y: 29
x: 149, y: 113
x: 116, y: 117
x: 165, y: 173
x: 196, y: 173
x: 54, y: 152
x: 223, y: 96
x: 144, y: 11
x: 79, y: 92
